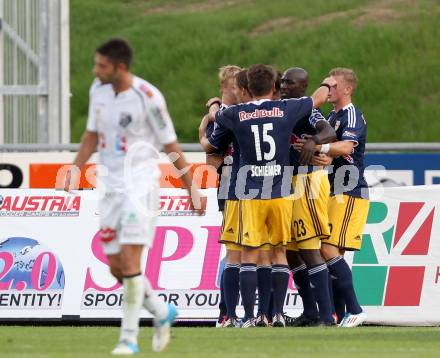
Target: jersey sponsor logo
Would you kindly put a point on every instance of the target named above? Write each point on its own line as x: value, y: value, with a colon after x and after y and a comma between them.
x: 125, y: 119
x: 40, y: 206
x: 146, y: 90
x: 265, y: 170
x: 349, y: 134
x: 260, y: 113
x: 390, y: 268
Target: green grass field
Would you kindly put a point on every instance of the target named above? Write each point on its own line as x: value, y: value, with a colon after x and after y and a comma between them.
x: 179, y: 45
x: 210, y: 342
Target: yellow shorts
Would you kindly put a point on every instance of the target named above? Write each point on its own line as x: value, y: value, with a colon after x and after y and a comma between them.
x: 229, y: 234
x: 309, y: 217
x: 347, y: 217
x: 265, y: 222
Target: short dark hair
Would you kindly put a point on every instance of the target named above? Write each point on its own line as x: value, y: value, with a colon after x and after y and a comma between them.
x: 242, y: 81
x: 261, y: 79
x: 117, y: 50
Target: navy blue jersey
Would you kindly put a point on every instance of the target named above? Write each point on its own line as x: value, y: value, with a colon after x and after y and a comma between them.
x: 305, y: 126
x: 228, y: 170
x: 350, y: 125
x: 262, y: 130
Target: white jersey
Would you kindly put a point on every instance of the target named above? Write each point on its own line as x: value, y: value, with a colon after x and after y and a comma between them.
x: 132, y: 126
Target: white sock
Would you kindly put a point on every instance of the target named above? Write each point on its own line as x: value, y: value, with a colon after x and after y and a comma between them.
x: 155, y: 305
x: 133, y: 296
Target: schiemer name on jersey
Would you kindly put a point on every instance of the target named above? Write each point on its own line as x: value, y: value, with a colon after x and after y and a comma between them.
x: 265, y: 170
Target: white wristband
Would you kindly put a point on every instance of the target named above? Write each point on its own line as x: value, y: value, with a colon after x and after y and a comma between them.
x: 325, y: 148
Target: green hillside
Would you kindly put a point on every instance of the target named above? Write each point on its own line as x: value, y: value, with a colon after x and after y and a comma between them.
x: 393, y: 45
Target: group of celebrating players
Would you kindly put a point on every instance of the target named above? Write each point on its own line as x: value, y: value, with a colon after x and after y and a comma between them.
x: 292, y: 192
x: 273, y: 149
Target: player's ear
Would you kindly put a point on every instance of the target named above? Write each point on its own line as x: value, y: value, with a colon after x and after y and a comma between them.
x: 121, y: 66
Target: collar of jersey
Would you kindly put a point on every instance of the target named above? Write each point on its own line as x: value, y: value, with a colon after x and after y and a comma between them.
x: 347, y: 106
x: 260, y: 101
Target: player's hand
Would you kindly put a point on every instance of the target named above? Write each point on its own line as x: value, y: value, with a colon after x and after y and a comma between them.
x: 69, y: 182
x: 307, y: 152
x: 330, y: 81
x: 299, y: 143
x: 198, y: 202
x: 213, y: 100
x: 322, y: 160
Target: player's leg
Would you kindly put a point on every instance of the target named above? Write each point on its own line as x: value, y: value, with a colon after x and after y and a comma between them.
x: 280, y: 281
x: 329, y: 252
x: 347, y: 216
x: 133, y: 283
x: 222, y: 304
x: 300, y: 274
x: 319, y: 279
x: 248, y: 283
x: 279, y: 226
x: 264, y: 271
x: 231, y: 272
x: 231, y: 288
x: 310, y: 225
x: 137, y: 231
x: 252, y: 235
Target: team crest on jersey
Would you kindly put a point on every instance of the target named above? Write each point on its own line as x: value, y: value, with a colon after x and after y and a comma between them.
x: 337, y: 124
x: 125, y: 119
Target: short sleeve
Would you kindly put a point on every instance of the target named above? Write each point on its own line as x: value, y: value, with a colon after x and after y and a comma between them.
x: 300, y: 108
x: 315, y: 117
x: 352, y: 127
x: 160, y: 120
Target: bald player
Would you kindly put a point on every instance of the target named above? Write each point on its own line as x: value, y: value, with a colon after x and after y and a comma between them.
x: 310, y: 218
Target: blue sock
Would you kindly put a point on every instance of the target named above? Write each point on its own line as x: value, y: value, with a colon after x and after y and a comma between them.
x: 231, y: 288
x: 302, y: 283
x: 344, y: 283
x: 222, y: 304
x: 330, y: 291
x: 339, y: 301
x: 319, y: 279
x: 264, y: 288
x: 271, y: 309
x: 280, y: 280
x: 248, y: 285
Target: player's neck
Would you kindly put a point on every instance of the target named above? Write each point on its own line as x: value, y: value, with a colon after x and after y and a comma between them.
x: 341, y: 104
x: 124, y: 83
x: 266, y: 96
x: 226, y: 101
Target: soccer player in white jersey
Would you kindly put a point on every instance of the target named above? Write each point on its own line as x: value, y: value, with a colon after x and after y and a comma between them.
x: 129, y: 122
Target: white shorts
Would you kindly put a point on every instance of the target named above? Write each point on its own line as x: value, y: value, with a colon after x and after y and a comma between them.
x: 128, y: 219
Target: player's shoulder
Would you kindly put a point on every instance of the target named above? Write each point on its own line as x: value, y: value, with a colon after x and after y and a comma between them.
x: 147, y: 90
x: 352, y: 116
x: 294, y: 102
